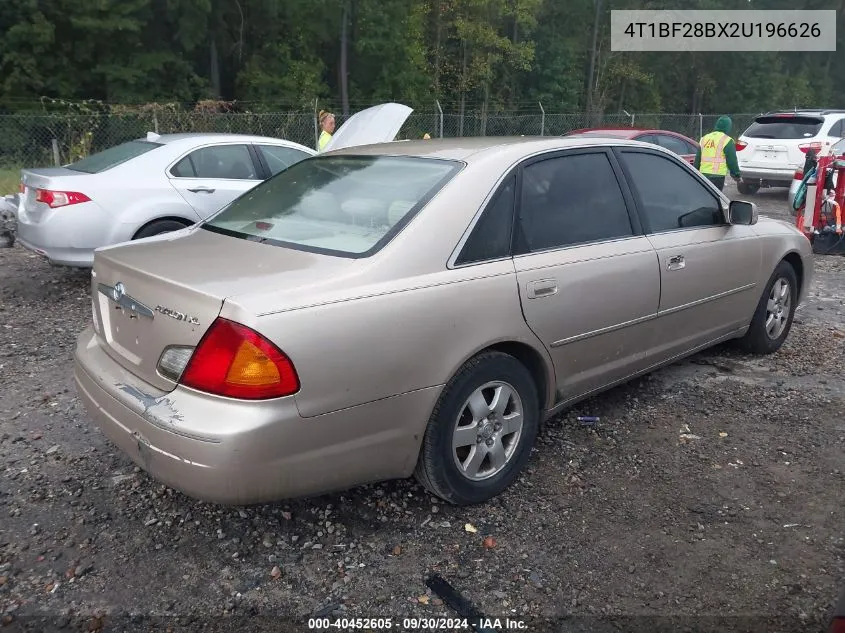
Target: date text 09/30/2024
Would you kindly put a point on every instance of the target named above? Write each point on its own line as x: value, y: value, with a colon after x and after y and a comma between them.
x: 416, y: 624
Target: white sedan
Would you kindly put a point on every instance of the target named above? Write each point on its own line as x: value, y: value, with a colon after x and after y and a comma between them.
x: 141, y: 188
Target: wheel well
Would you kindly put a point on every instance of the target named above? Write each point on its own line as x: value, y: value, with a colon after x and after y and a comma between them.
x: 533, y: 362
x: 171, y: 218
x: 794, y: 260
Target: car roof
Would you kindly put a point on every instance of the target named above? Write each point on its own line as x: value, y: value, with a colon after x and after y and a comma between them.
x: 205, y: 137
x: 468, y: 149
x: 808, y: 111
x: 625, y: 132
x: 620, y: 132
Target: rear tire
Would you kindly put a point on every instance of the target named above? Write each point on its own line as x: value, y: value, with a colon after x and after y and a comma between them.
x: 481, y: 432
x: 747, y: 189
x: 158, y: 227
x: 775, y: 311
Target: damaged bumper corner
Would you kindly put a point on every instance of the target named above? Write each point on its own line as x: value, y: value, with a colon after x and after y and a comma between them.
x: 237, y: 453
x: 8, y: 220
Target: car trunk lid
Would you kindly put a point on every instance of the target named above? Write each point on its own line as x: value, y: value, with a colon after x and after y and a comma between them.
x: 48, y: 179
x: 762, y: 152
x: 167, y: 290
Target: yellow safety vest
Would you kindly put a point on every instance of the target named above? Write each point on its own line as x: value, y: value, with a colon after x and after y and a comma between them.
x: 713, y: 153
x: 325, y: 137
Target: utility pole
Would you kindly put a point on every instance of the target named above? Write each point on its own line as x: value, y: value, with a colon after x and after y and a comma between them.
x: 592, y: 72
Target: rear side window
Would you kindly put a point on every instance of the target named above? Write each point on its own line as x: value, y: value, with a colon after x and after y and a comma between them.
x: 784, y: 127
x: 337, y: 205
x: 838, y: 129
x: 570, y: 200
x: 674, y: 144
x: 279, y: 157
x: 112, y: 157
x: 647, y: 138
x: 491, y: 236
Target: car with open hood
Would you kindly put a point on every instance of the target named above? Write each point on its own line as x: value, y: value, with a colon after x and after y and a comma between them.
x: 418, y: 308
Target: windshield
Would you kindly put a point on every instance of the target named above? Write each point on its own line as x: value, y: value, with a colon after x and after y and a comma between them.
x: 344, y: 205
x: 112, y: 157
x: 784, y: 127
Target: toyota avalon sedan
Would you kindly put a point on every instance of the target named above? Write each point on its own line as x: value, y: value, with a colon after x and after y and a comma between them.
x: 419, y: 308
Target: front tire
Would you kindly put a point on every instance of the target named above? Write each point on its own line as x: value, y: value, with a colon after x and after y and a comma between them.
x: 775, y: 311
x: 481, y: 432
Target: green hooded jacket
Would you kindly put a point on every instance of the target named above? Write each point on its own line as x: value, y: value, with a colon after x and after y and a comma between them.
x: 724, y: 124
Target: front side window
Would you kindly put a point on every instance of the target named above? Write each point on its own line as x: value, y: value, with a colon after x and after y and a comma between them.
x: 218, y: 162
x: 112, y: 157
x: 344, y: 205
x: 670, y: 197
x: 570, y: 200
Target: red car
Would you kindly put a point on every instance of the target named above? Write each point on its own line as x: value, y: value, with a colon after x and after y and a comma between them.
x: 685, y: 147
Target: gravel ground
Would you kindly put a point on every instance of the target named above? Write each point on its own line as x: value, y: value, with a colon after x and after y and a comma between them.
x: 624, y: 518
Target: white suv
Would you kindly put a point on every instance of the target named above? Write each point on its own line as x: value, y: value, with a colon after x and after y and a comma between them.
x: 775, y: 146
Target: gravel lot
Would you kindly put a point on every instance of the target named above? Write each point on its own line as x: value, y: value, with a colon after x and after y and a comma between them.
x: 625, y: 518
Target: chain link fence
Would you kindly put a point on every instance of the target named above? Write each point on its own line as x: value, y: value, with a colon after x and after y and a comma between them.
x: 37, y: 140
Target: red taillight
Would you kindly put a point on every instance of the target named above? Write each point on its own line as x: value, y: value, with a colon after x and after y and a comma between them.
x: 806, y: 147
x: 55, y: 199
x: 21, y: 188
x: 798, y: 175
x: 741, y: 145
x: 235, y: 361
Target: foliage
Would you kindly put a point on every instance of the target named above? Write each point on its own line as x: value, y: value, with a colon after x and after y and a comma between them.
x: 482, y: 55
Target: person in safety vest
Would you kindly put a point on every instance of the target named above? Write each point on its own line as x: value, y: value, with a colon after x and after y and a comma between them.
x: 327, y: 124
x: 716, y: 156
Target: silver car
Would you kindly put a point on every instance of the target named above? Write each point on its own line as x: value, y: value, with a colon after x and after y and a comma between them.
x: 141, y: 188
x: 419, y: 308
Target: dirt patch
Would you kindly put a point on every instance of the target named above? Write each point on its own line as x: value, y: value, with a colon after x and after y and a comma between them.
x: 711, y: 488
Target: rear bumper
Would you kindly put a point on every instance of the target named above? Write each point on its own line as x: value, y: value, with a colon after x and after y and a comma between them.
x: 234, y: 452
x: 66, y: 236
x: 78, y: 258
x: 780, y: 176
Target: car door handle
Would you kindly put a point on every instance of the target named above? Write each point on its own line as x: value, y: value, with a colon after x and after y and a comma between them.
x: 542, y: 288
x: 201, y: 190
x: 677, y: 262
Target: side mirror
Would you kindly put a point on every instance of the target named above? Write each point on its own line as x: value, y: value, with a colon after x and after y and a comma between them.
x: 742, y: 212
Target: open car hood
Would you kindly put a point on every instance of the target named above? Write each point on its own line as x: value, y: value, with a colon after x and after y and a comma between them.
x: 379, y: 124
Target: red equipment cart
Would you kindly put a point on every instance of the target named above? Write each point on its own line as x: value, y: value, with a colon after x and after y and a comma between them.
x: 821, y: 217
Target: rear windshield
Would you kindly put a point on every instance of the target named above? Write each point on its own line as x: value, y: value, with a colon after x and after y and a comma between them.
x: 342, y: 205
x: 112, y: 157
x: 784, y: 127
